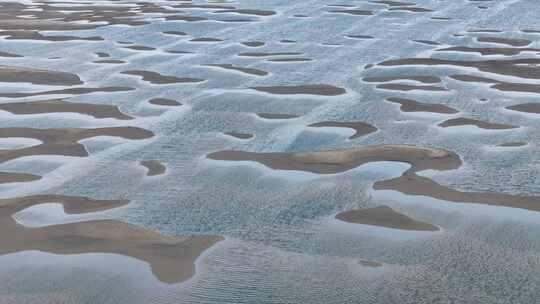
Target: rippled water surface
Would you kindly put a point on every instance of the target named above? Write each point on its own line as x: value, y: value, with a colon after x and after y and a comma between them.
x: 149, y: 151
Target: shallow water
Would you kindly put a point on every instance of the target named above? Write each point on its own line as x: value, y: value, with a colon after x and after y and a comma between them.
x: 282, y: 243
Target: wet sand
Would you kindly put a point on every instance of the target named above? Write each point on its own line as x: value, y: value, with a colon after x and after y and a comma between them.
x: 155, y: 167
x: 249, y: 71
x: 157, y: 78
x: 315, y: 89
x: 61, y: 106
x: 239, y: 135
x: 338, y: 161
x: 164, y: 102
x: 475, y: 122
x: 277, y: 116
x: 409, y: 105
x: 172, y: 259
x: 360, y: 128
x: 526, y: 108
x: 384, y: 216
x: 34, y: 76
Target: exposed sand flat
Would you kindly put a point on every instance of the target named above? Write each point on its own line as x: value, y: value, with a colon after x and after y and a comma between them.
x: 526, y: 108
x: 253, y: 43
x: 176, y: 33
x: 412, y: 9
x: 9, y: 55
x: 155, y: 167
x: 172, y: 259
x: 384, y: 216
x: 472, y: 78
x: 11, y: 177
x: 61, y: 106
x: 513, y: 144
x: 164, y: 102
x: 157, y: 78
x: 412, y: 184
x: 186, y: 18
x: 276, y: 116
x: 206, y: 39
x: 140, y: 48
x: 354, y: 12
x: 249, y: 71
x: 254, y: 12
x: 338, y: 161
x: 239, y: 135
x: 360, y: 36
x: 309, y: 89
x: 427, y: 42
x: 409, y: 87
x: 423, y: 79
x: 409, y: 105
x: 506, y: 51
x: 289, y: 59
x: 524, y: 68
x: 64, y: 141
x: 264, y: 54
x: 393, y: 3
x: 70, y: 91
x: 109, y: 61
x: 361, y: 128
x: 462, y: 121
x: 507, y: 41
x: 35, y: 35
x: 34, y: 76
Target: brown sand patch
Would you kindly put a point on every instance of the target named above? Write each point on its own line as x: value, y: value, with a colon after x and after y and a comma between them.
x: 289, y: 59
x: 164, y: 102
x: 35, y: 35
x: 526, y: 108
x: 310, y: 89
x: 70, y: 91
x: 155, y: 167
x: 507, y: 41
x: 264, y: 54
x: 253, y: 43
x: 422, y: 79
x: 63, y: 141
x: 384, y: 216
x: 239, y: 135
x: 172, y: 259
x: 276, y: 116
x: 411, y: 9
x: 506, y: 51
x: 254, y: 12
x: 11, y: 177
x: 249, y: 71
x: 35, y: 76
x: 409, y: 105
x: 354, y: 12
x: 361, y: 128
x: 513, y: 144
x: 462, y: 121
x: 60, y: 106
x: 409, y: 87
x: 157, y: 78
x: 338, y: 161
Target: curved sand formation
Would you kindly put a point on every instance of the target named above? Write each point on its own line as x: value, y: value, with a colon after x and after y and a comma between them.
x: 172, y: 259
x: 409, y: 105
x: 462, y: 121
x: 157, y: 78
x: 63, y: 141
x: 409, y: 87
x: 61, y: 106
x: 276, y: 116
x: 354, y: 12
x: 310, y: 89
x: 506, y: 51
x: 155, y: 167
x: 70, y: 91
x: 422, y: 79
x: 239, y: 135
x: 164, y: 102
x: 249, y: 71
x: 506, y: 41
x: 34, y: 76
x: 338, y: 161
x: 360, y: 128
x: 532, y: 107
x: 513, y: 144
x: 12, y: 177
x: 384, y: 216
